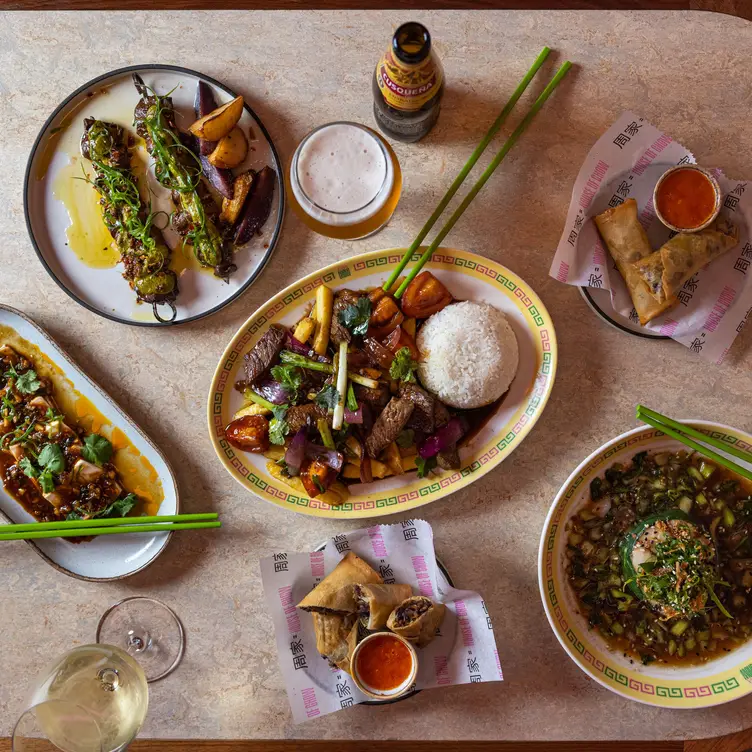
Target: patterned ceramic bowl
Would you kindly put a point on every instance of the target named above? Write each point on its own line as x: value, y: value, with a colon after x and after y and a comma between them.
x: 468, y: 277
x: 713, y: 683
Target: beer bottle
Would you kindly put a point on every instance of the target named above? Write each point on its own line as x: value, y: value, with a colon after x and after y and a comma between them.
x: 408, y: 85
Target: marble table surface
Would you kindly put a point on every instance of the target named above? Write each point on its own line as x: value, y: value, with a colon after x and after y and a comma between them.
x: 686, y: 72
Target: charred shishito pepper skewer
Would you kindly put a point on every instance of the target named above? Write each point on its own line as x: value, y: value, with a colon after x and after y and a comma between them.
x: 177, y: 168
x: 142, y: 248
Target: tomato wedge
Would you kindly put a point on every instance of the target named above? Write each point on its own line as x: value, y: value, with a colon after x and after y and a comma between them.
x: 249, y: 433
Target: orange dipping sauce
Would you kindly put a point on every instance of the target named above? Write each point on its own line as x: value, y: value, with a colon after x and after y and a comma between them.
x: 384, y: 663
x: 686, y: 199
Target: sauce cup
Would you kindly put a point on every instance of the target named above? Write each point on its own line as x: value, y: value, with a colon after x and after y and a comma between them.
x: 378, y: 650
x: 661, y: 185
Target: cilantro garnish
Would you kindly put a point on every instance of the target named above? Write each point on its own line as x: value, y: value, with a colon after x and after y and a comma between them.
x: 403, y: 366
x: 355, y: 317
x: 327, y: 398
x: 96, y: 449
x: 424, y: 465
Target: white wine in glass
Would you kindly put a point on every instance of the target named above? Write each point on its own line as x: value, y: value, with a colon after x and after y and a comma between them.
x: 94, y: 699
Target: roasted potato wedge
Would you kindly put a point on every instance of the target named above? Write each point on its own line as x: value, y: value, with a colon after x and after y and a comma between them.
x: 218, y: 123
x: 304, y: 329
x: 230, y: 151
x: 231, y: 208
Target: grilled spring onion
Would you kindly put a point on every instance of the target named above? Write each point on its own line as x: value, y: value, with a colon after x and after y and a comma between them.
x: 142, y: 248
x: 179, y: 169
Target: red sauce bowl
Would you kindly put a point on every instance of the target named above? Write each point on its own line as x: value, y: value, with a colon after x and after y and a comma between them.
x: 687, y: 198
x: 384, y: 666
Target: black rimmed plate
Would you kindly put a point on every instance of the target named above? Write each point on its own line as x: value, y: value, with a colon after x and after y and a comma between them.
x: 65, y: 223
x: 599, y: 301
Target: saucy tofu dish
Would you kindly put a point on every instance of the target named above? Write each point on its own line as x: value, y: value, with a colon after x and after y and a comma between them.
x: 51, y: 467
x: 660, y: 558
x: 367, y: 386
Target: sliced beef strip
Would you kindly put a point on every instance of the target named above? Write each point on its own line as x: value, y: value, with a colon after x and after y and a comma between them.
x: 300, y: 415
x: 264, y: 353
x: 388, y: 425
x: 449, y: 458
x: 337, y: 332
x: 376, y: 398
x: 441, y: 415
x: 423, y: 418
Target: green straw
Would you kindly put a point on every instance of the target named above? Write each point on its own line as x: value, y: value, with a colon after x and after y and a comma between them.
x: 483, y: 179
x: 85, y: 532
x: 106, y: 522
x: 454, y: 187
x: 674, y: 434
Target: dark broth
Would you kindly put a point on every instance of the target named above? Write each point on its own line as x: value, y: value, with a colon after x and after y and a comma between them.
x: 656, y: 483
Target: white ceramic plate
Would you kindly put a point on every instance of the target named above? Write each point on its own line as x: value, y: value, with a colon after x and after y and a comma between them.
x: 468, y: 277
x: 107, y: 557
x: 675, y: 686
x: 52, y: 197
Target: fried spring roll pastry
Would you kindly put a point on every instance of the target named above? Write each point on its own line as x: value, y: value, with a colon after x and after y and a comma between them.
x: 628, y: 244
x: 417, y: 619
x: 376, y: 602
x: 334, y: 594
x: 666, y: 270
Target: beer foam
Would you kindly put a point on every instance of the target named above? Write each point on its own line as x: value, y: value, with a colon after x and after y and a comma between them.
x: 342, y: 168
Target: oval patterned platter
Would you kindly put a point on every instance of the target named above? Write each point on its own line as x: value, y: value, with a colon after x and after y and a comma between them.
x: 468, y: 277
x: 142, y: 467
x: 694, y: 686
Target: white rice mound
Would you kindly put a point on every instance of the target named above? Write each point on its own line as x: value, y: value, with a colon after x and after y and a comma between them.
x: 468, y: 354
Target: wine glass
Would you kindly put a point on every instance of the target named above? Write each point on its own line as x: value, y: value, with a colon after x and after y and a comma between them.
x: 148, y: 631
x: 93, y: 699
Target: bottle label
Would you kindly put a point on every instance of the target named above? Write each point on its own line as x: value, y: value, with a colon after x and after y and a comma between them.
x: 408, y: 87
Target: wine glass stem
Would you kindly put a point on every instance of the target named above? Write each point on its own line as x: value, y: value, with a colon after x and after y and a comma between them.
x: 138, y: 641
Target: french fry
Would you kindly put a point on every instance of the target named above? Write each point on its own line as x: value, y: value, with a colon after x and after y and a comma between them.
x: 408, y: 326
x: 408, y: 463
x: 324, y: 303
x: 251, y: 409
x: 304, y: 329
x: 392, y: 459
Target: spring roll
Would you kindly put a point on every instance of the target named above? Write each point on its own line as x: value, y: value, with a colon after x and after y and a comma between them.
x: 376, y: 602
x: 341, y: 656
x: 334, y: 594
x: 627, y: 243
x: 331, y: 630
x: 666, y: 270
x: 417, y: 619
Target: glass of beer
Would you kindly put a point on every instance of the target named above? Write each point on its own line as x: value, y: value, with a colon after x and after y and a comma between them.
x: 345, y: 181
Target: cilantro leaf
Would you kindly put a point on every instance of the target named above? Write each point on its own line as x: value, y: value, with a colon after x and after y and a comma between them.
x: 406, y: 438
x: 27, y: 382
x: 47, y: 482
x: 51, y: 415
x: 96, y: 449
x: 28, y: 468
x: 279, y: 411
x: 356, y: 317
x: 278, y: 429
x: 51, y: 458
x: 289, y: 377
x: 424, y: 466
x: 327, y: 398
x: 118, y: 508
x: 403, y: 366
